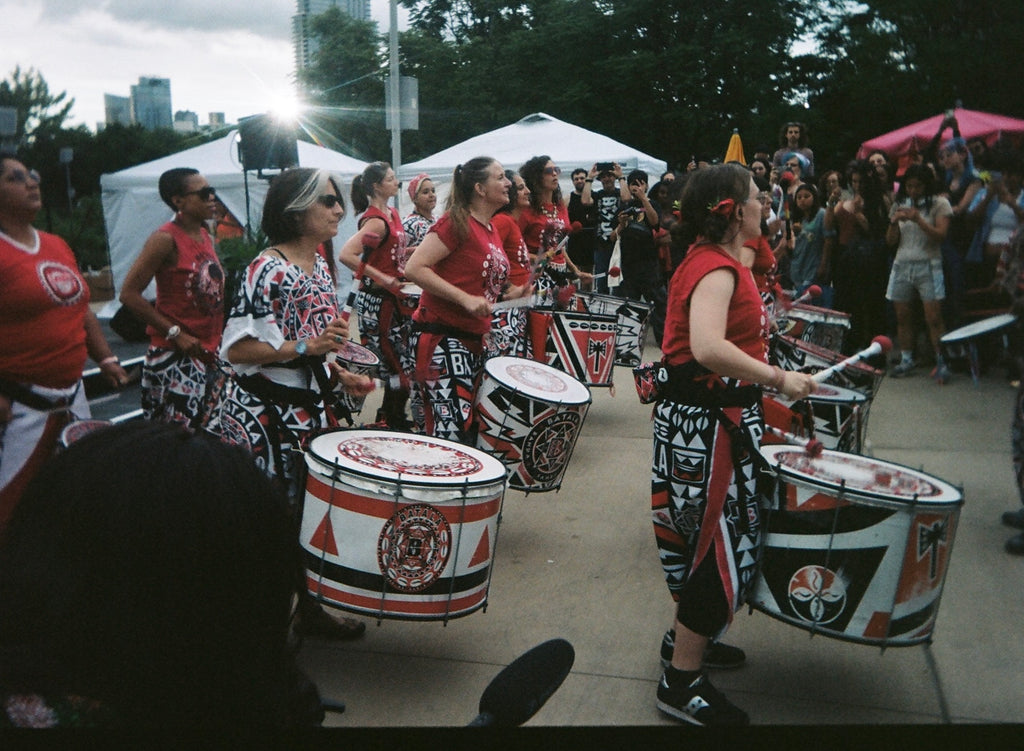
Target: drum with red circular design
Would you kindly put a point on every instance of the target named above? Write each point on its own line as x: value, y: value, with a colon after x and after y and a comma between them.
x: 856, y: 548
x: 400, y: 526
x: 529, y: 416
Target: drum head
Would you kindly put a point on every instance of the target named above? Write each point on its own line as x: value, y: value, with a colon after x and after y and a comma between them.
x: 978, y: 328
x: 861, y: 476
x: 537, y: 380
x: 356, y: 354
x: 406, y: 459
x: 828, y: 393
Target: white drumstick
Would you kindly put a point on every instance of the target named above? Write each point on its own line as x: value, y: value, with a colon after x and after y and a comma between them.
x: 878, y: 345
x: 812, y: 446
x: 520, y: 302
x: 810, y: 293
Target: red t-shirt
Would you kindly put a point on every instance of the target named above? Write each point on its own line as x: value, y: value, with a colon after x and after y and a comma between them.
x: 191, y: 293
x: 476, y: 265
x: 43, y: 302
x: 515, y: 248
x: 747, y: 321
x: 543, y: 231
x: 390, y: 256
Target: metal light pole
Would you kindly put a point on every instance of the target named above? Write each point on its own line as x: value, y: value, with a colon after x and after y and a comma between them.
x: 396, y: 103
x: 66, y: 155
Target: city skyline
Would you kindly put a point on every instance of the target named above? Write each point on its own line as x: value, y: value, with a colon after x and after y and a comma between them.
x: 219, y: 65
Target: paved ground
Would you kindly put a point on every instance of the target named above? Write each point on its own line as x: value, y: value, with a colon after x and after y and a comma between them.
x: 581, y: 564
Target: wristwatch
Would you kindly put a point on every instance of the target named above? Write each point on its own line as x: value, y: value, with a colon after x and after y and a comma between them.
x: 300, y: 347
x: 173, y: 331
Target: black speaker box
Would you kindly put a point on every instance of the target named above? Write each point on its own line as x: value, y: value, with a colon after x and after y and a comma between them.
x: 267, y: 144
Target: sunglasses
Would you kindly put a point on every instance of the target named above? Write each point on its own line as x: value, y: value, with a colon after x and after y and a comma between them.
x: 329, y: 200
x: 552, y: 170
x: 205, y: 194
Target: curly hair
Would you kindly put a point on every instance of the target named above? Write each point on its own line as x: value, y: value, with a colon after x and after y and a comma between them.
x: 532, y: 173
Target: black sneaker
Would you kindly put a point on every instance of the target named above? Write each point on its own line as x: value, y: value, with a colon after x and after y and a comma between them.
x: 1015, y: 545
x: 717, y: 656
x: 1014, y: 518
x: 699, y: 703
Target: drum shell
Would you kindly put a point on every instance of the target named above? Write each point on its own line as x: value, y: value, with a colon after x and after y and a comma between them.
x: 632, y: 318
x: 855, y: 566
x: 838, y: 417
x: 357, y: 530
x: 582, y: 345
x: 532, y: 434
x: 821, y: 326
x: 361, y: 361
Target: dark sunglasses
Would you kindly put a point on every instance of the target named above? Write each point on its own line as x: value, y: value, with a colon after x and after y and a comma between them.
x: 329, y: 200
x: 205, y: 194
x: 552, y: 170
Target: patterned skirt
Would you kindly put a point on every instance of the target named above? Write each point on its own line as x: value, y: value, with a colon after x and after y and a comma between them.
x: 174, y: 387
x: 704, y: 497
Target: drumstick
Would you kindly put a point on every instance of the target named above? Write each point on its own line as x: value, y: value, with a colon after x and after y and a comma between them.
x: 370, y: 241
x: 614, y: 272
x: 878, y: 345
x: 519, y: 302
x: 809, y: 294
x: 812, y: 446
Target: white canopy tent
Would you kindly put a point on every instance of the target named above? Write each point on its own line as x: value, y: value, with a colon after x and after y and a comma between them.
x: 568, y: 145
x: 132, y: 208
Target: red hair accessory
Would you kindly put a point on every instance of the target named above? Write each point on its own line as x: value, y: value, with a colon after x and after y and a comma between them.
x: 414, y: 184
x: 723, y: 207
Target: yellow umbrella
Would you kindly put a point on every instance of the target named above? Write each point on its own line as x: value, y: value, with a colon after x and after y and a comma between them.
x: 735, y: 151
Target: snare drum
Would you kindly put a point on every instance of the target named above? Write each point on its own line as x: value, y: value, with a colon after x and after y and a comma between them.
x: 582, y: 345
x: 631, y: 317
x: 400, y: 526
x: 529, y: 416
x: 857, y: 549
x: 361, y: 361
x: 821, y: 326
x: 964, y: 340
x: 77, y: 429
x: 837, y: 417
x: 794, y: 354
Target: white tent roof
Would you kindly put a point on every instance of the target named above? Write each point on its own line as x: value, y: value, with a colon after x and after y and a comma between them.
x: 132, y: 208
x: 569, y: 146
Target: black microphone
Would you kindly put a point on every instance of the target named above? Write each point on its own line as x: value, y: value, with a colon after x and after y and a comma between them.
x: 517, y: 692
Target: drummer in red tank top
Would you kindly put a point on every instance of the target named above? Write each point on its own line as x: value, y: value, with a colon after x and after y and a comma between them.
x: 186, y: 323
x: 383, y: 319
x: 708, y: 422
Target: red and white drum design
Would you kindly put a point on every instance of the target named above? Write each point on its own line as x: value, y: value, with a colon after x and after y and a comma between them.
x: 529, y: 416
x: 794, y: 354
x: 400, y: 526
x: 582, y: 345
x: 357, y: 359
x: 857, y: 548
x: 631, y: 318
x: 821, y: 326
x: 837, y: 417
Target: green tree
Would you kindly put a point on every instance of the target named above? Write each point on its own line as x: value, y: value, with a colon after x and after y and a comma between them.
x: 344, y: 86
x: 39, y: 111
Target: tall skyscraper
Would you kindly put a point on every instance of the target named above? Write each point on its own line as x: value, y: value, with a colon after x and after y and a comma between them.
x: 151, y: 103
x: 305, y: 46
x: 117, y: 109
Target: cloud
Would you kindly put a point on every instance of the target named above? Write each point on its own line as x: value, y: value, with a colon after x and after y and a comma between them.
x: 266, y: 18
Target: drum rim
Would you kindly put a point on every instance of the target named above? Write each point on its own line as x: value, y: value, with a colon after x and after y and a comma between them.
x: 542, y: 396
x: 358, y: 346
x: 496, y: 475
x: 853, y: 396
x: 977, y: 328
x: 769, y: 452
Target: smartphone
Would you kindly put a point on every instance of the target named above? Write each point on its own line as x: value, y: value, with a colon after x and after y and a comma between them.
x: 605, y: 167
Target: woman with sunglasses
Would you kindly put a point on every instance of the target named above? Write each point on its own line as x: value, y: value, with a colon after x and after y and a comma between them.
x: 383, y: 318
x: 545, y: 224
x: 47, y: 331
x: 186, y: 322
x: 283, y: 323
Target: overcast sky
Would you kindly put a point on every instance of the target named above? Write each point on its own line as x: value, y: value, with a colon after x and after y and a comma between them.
x: 231, y: 56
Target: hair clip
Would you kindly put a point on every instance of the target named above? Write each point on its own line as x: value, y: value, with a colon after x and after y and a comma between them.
x: 723, y: 207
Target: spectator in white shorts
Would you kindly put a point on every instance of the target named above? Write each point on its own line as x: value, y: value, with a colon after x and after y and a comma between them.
x: 918, y: 223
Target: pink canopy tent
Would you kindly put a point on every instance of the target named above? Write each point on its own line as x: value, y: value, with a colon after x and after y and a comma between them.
x: 914, y: 139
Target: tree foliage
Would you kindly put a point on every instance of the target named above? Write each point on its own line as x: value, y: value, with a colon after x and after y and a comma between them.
x: 38, y: 111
